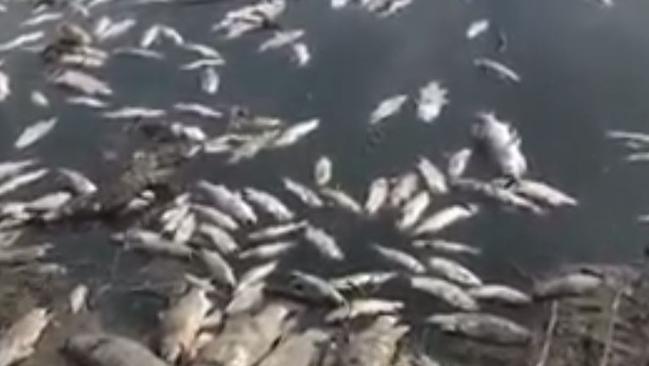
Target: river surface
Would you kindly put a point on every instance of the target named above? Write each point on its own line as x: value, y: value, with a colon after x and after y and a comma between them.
x: 583, y: 71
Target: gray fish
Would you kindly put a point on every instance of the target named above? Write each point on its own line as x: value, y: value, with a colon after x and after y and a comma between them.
x: 497, y: 193
x: 218, y: 238
x: 19, y: 340
x: 453, y: 271
x: 109, y: 350
x: 387, y: 108
x: 35, y: 132
x: 432, y: 176
x: 153, y: 243
x: 303, y: 193
x: 311, y: 288
x: 246, y: 298
x: 276, y: 232
x: 22, y: 180
x: 39, y: 99
x: 502, y: 142
x: 281, y: 39
x: 482, y: 327
x: 78, y: 182
x: 210, y: 81
x: 268, y: 203
x: 500, y: 70
x: 22, y: 40
x: 298, y: 349
x: 458, y: 163
x: 229, y: 202
x: 570, y: 284
x: 405, y: 187
x: 500, y: 294
x: 342, y: 200
x: 5, y: 86
x: 257, y: 274
x: 446, y: 291
x: 199, y: 110
x: 134, y: 112
x: 87, y: 101
x: 267, y: 251
x: 204, y: 51
x: 400, y: 258
x: 218, y: 267
x: 81, y: 82
x: 216, y: 217
x: 375, y: 345
x: 361, y: 280
x: 377, y: 196
x: 296, y: 132
x: 324, y: 243
x: 445, y: 218
x: 446, y: 247
x: 11, y: 168
x: 413, y: 210
x: 323, y: 171
x: 364, y: 307
x: 301, y: 54
x: 543, y: 192
x: 78, y: 298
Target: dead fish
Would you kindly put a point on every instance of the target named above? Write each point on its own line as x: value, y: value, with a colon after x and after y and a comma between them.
x: 48, y: 202
x: 570, y: 284
x: 500, y: 294
x: 413, y: 210
x: 301, y: 54
x: 255, y: 144
x: 109, y: 350
x: 11, y: 168
x: 199, y: 110
x: 172, y: 34
x: 374, y: 345
x: 87, y: 102
x: 218, y: 268
x: 446, y: 217
x: 257, y: 274
x: 387, y: 108
x: 81, y: 82
x: 246, y: 337
x: 356, y: 281
x: 281, y: 39
x: 453, y: 271
x: 22, y: 180
x: 400, y: 258
x: 134, y: 112
x: 500, y: 70
x: 322, y: 171
x: 431, y: 101
x: 542, y: 192
x: 303, y: 193
x: 202, y: 63
x: 186, y: 229
x: 115, y: 30
x: 483, y: 327
x: 22, y: 40
x: 311, y: 288
x: 342, y: 200
x: 502, y: 144
x: 477, y: 28
x: 277, y: 231
x: 181, y: 322
x: 377, y: 196
x: 298, y: 349
x: 295, y: 133
x: 339, y: 4
x: 267, y: 251
x: 39, y: 99
x: 150, y: 36
x: 5, y: 86
x: 218, y: 238
x: 138, y: 52
x: 458, y: 163
x: 18, y: 342
x: 42, y: 19
x: 153, y: 243
x: 73, y: 33
x: 364, y: 307
x: 216, y: 217
x: 268, y: 203
x: 229, y: 201
x: 639, y: 137
x: 24, y: 254
x: 404, y: 188
x: 9, y: 238
x: 496, y: 193
x: 210, y: 81
x: 35, y: 132
x: 432, y: 176
x: 246, y: 299
x: 78, y: 298
x: 324, y: 243
x: 446, y: 291
x: 447, y: 247
x: 78, y: 183
x: 203, y: 51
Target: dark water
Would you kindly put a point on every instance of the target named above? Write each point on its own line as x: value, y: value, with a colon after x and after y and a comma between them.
x: 583, y: 70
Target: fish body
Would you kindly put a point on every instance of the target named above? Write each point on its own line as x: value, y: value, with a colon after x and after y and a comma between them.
x: 218, y: 238
x: 215, y: 216
x: 361, y: 280
x: 446, y: 291
x: 310, y: 288
x: 477, y: 28
x: 497, y: 193
x: 267, y: 251
x: 22, y: 180
x: 24, y: 254
x: 446, y: 247
x: 303, y: 193
x: 387, y: 108
x: 500, y: 294
x: 400, y: 258
x: 453, y: 271
x: 39, y: 99
x: 571, y: 284
x: 404, y: 188
x: 431, y: 101
x: 543, y: 192
x: 298, y: 349
x: 301, y: 54
x: 445, y: 218
x: 324, y: 243
x: 342, y: 200
x: 230, y: 202
x: 78, y: 298
x: 277, y: 231
x: 218, y: 267
x: 210, y: 81
x: 281, y: 39
x: 153, y: 243
x: 502, y: 144
x: 432, y: 176
x: 19, y: 340
x: 35, y: 132
x: 200, y: 110
x: 22, y: 41
x: 294, y: 133
x: 5, y: 86
x: 268, y: 203
x: 482, y: 327
x: 109, y: 350
x: 81, y: 82
x: 377, y: 196
x: 364, y: 307
x: 500, y: 70
x: 458, y: 163
x: 323, y: 171
x: 413, y: 210
x: 374, y: 345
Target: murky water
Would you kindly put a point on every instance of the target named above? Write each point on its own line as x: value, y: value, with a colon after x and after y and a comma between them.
x: 583, y: 70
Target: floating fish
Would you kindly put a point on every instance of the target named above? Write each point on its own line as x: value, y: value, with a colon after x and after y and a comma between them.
x: 281, y: 39
x: 172, y: 34
x: 267, y: 251
x: 356, y: 281
x: 256, y: 274
x: 11, y: 168
x: 387, y: 108
x: 204, y: 51
x: 18, y: 342
x: 210, y: 81
x: 301, y: 54
x: 202, y: 63
x: 151, y: 242
x: 405, y: 187
x: 199, y: 110
x: 35, y: 132
x: 150, y: 36
x: 218, y: 268
x: 134, y: 112
x: 39, y: 99
x: 87, y: 102
x: 303, y: 193
x: 446, y: 217
x: 432, y: 176
x: 400, y: 258
x: 296, y: 132
x: 376, y: 344
x: 500, y: 294
x: 413, y: 210
x: 22, y: 40
x: 458, y: 163
x: 570, y: 284
x: 500, y: 70
x: 322, y: 171
x: 278, y: 231
x: 542, y: 192
x: 432, y: 98
x: 22, y: 180
x: 446, y: 291
x: 324, y: 243
x: 114, y: 30
x: 139, y: 52
x: 109, y: 350
x: 497, y: 193
x: 229, y: 202
x: 446, y: 247
x: 483, y: 327
x: 269, y: 204
x: 5, y: 86
x: 215, y: 216
x: 453, y: 271
x: 312, y: 288
x: 78, y: 298
x: 81, y: 82
x: 364, y: 307
x: 218, y: 238
x: 502, y: 144
x: 42, y: 19
x: 342, y: 200
x: 477, y: 28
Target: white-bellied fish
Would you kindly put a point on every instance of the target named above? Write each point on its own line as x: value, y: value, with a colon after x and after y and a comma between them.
x: 324, y: 243
x: 400, y: 258
x: 280, y: 39
x: 446, y: 247
x: 413, y: 210
x: 453, y: 271
x: 377, y: 195
x: 18, y: 342
x: 446, y: 217
x: 269, y: 204
x: 404, y: 187
x: 218, y: 268
x: 323, y: 171
x: 33, y: 133
x: 446, y: 291
x: 500, y: 294
x: 476, y: 28
x: 210, y: 81
x: 458, y: 162
x: 296, y: 132
x: 342, y: 200
x: 303, y: 193
x: 268, y: 250
x: 432, y: 176
x: 277, y: 231
x: 229, y: 201
x: 387, y: 108
x: 483, y: 327
x: 500, y: 70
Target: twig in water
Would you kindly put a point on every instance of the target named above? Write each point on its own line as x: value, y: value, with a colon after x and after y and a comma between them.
x: 549, y: 334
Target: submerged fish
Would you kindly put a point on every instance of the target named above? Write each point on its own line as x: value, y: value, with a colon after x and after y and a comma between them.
x: 39, y: 99
x: 387, y: 108
x: 35, y: 132
x: 432, y: 98
x: 210, y: 81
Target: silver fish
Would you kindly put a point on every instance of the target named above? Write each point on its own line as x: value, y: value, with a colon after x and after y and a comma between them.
x: 570, y: 284
x: 49, y: 201
x: 253, y: 146
x: 218, y: 267
x: 342, y: 200
x: 268, y: 203
x: 298, y: 349
x: 257, y: 274
x: 115, y: 30
x: 11, y: 168
x: 377, y: 196
x: 324, y: 243
x: 499, y: 69
x: 78, y: 298
x: 432, y: 98
x: 278, y: 231
x: 497, y: 193
x: 214, y: 216
x: 134, y: 112
x: 387, y: 108
x: 502, y: 142
x: 447, y: 247
x: 483, y: 327
x: 446, y: 291
x: 39, y: 99
x: 229, y: 202
x: 42, y: 19
x: 267, y: 251
x: 22, y: 180
x: 400, y: 258
x: 172, y: 34
x: 458, y: 163
x: 322, y: 171
x: 35, y: 132
x: 361, y: 280
x: 150, y: 36
x: 432, y: 176
x: 542, y: 192
x: 446, y: 217
x: 313, y: 288
x: 109, y: 350
x: 87, y: 101
x: 404, y: 188
x: 218, y: 238
x: 5, y: 86
x: 301, y: 54
x: 453, y: 271
x: 19, y: 341
x: 202, y: 63
x: 197, y: 109
x: 296, y: 132
x: 476, y: 28
x: 500, y: 294
x: 303, y: 193
x: 139, y: 52
x: 204, y: 51
x: 413, y: 210
x: 364, y: 307
x: 22, y: 40
x: 393, y: 7
x: 181, y: 322
x: 374, y: 345
x: 246, y: 298
x: 210, y: 81
x: 79, y: 183
x: 281, y: 39
x: 81, y: 82
x: 185, y: 229
x: 153, y: 243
